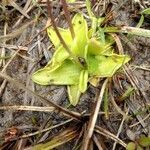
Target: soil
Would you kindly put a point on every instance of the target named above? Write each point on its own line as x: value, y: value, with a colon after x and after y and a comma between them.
x: 37, y: 50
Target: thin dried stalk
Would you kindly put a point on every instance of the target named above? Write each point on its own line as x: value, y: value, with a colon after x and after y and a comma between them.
x: 109, y: 135
x: 58, y: 140
x: 2, y: 61
x: 130, y: 30
x: 47, y: 129
x: 42, y: 131
x: 11, y: 2
x: 27, y: 108
x: 10, y: 60
x: 27, y: 5
x: 119, y: 130
x: 115, y: 105
x: 97, y: 142
x: 93, y: 118
x: 3, y: 85
x: 9, y: 46
x: 22, y: 17
x: 146, y: 68
x: 139, y: 122
x: 3, y: 70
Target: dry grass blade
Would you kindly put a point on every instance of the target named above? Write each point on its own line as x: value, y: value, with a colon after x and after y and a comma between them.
x: 93, y: 118
x: 109, y: 135
x: 146, y: 68
x: 22, y: 17
x: 27, y: 108
x: 97, y: 142
x: 139, y: 117
x: 27, y: 5
x: 129, y: 30
x: 9, y: 46
x: 115, y: 105
x: 45, y: 130
x: 3, y: 70
x: 119, y: 130
x: 16, y: 32
x: 135, y: 81
x: 67, y: 15
x: 42, y: 99
x: 3, y: 85
x: 139, y: 122
x: 118, y: 42
x: 3, y: 52
x: 60, y: 139
x: 10, y: 60
x: 136, y: 31
x: 12, y: 3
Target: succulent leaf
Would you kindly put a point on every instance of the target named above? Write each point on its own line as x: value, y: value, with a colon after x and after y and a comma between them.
x: 65, y: 33
x: 83, y: 80
x: 106, y: 66
x: 74, y: 94
x: 67, y: 74
x: 81, y: 35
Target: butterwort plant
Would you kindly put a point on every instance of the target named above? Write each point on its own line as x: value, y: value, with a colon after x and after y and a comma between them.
x: 84, y: 56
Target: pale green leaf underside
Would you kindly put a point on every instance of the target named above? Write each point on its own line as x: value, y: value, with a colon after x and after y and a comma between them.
x: 67, y: 74
x: 106, y: 66
x: 146, y: 11
x: 74, y: 94
x: 59, y: 56
x: 77, y: 45
x: 81, y: 35
x: 65, y: 33
x: 96, y: 47
x: 83, y: 80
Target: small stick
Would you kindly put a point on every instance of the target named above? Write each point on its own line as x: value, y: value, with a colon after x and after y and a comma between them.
x: 93, y: 118
x: 119, y: 130
x: 27, y: 108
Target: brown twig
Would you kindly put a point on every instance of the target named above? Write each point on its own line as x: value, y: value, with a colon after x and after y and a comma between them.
x: 27, y: 108
x: 47, y: 129
x: 93, y: 118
